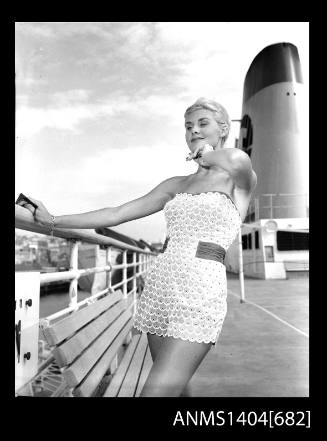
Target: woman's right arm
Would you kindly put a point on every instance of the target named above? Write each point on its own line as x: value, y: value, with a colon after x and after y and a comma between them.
x: 148, y: 204
x: 105, y: 217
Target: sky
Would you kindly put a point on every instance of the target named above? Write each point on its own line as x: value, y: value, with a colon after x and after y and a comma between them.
x: 100, y: 106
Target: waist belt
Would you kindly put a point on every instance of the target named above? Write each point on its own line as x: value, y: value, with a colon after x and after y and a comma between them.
x: 205, y: 250
x: 211, y: 251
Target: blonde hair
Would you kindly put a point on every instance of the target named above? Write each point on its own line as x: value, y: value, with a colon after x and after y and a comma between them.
x: 220, y: 114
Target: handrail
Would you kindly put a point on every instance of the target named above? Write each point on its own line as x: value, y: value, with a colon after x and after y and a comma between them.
x: 25, y: 221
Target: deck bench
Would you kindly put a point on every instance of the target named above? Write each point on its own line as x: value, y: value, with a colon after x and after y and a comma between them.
x: 98, y: 352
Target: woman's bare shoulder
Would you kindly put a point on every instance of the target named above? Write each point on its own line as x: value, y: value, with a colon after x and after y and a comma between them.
x: 174, y: 184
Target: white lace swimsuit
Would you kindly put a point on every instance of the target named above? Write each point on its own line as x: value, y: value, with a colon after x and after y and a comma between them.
x: 184, y: 295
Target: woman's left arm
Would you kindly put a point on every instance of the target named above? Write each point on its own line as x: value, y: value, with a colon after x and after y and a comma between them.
x: 236, y: 162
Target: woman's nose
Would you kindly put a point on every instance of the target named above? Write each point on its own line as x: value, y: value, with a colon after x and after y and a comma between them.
x: 195, y: 129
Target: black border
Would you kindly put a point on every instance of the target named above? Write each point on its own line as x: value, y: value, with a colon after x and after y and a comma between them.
x: 155, y: 416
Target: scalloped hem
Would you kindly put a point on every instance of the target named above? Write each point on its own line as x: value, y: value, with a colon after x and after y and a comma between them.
x: 177, y: 337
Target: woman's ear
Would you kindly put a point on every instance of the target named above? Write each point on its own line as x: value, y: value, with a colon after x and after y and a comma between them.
x: 223, y: 129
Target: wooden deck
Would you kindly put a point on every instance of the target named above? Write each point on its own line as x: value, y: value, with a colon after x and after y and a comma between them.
x: 260, y: 352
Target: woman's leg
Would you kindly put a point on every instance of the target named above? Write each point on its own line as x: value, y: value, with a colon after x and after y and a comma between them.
x: 173, y: 366
x: 155, y: 342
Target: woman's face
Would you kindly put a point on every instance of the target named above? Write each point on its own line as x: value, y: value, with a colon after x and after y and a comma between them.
x: 201, y: 128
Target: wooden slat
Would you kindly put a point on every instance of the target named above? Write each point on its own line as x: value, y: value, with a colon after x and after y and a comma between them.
x: 147, y: 365
x: 131, y: 379
x: 79, y: 368
x: 90, y: 383
x: 113, y: 388
x: 59, y: 331
x: 72, y: 348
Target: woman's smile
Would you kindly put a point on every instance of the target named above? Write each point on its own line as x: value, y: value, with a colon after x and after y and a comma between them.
x: 196, y: 139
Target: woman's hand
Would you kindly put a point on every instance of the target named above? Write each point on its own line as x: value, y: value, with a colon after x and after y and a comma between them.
x: 41, y: 214
x: 199, y: 151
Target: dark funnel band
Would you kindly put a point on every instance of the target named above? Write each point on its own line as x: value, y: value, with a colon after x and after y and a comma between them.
x: 274, y: 64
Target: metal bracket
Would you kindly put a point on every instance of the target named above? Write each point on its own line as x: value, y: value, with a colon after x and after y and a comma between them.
x: 44, y: 323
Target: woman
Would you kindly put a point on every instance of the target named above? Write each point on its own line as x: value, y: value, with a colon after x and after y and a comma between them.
x: 183, y: 304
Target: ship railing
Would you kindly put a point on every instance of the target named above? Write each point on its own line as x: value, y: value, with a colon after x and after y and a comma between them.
x: 142, y: 260
x: 290, y: 265
x: 275, y: 205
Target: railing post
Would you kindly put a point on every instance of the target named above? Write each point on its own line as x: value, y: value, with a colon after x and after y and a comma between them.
x: 134, y: 282
x: 108, y: 273
x: 129, y: 335
x: 138, y: 257
x: 241, y: 273
x: 256, y: 209
x: 124, y: 274
x: 73, y: 266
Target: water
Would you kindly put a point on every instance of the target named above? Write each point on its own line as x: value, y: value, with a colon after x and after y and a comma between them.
x: 54, y: 302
